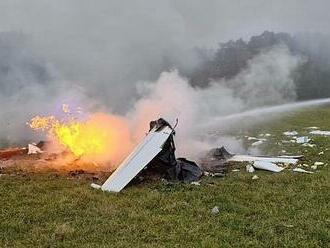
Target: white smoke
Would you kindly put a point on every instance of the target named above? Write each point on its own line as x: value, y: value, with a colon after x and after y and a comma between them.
x: 265, y: 81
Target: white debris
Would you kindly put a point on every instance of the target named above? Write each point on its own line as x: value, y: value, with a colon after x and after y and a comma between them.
x: 257, y: 143
x: 302, y: 139
x: 268, y: 135
x: 321, y: 153
x: 143, y: 153
x: 302, y: 171
x: 291, y: 156
x: 293, y: 141
x: 249, y: 168
x: 312, y: 128
x: 314, y: 167
x: 95, y: 186
x: 319, y: 132
x: 255, y: 177
x: 252, y: 138
x: 290, y: 133
x: 247, y: 158
x: 265, y: 165
x: 318, y: 163
x: 235, y: 170
x: 215, y: 210
x: 196, y: 183
x: 309, y: 145
x: 33, y: 149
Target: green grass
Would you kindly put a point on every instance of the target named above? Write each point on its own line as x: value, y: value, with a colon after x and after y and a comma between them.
x: 278, y: 210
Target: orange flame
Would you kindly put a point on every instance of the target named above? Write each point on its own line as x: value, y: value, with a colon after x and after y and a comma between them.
x: 102, y: 138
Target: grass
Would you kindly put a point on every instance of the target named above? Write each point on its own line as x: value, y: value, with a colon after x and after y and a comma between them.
x: 277, y: 210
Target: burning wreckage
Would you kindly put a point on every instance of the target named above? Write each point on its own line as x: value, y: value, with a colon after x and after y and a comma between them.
x: 155, y: 154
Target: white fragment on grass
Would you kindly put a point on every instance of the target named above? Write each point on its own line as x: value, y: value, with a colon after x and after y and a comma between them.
x: 288, y: 225
x: 95, y: 186
x: 255, y: 177
x: 320, y: 132
x: 269, y: 166
x: 215, y: 210
x: 314, y: 167
x: 268, y: 135
x: 318, y: 163
x: 321, y: 153
x: 247, y: 158
x: 312, y: 128
x: 252, y: 138
x: 309, y: 145
x: 290, y: 133
x: 235, y: 170
x: 302, y: 171
x: 249, y: 168
x: 257, y: 143
x: 302, y: 139
x: 197, y: 183
x: 305, y: 165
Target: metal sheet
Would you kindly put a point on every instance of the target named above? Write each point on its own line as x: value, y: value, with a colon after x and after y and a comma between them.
x: 148, y: 148
x: 265, y: 165
x: 246, y: 158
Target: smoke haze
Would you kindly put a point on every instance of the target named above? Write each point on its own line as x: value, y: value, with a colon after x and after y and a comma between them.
x: 110, y: 56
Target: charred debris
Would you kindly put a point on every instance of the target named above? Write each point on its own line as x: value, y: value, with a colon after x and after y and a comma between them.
x: 154, y: 157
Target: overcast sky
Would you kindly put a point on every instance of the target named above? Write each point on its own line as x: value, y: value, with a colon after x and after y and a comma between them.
x: 114, y: 43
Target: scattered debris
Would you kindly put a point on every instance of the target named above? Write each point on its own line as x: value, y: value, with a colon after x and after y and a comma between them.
x: 235, y: 170
x: 215, y: 210
x: 255, y: 177
x: 257, y: 143
x: 291, y: 156
x: 269, y: 166
x: 302, y: 171
x: 249, y: 168
x: 197, y: 183
x: 155, y: 152
x: 321, y: 153
x: 319, y: 132
x: 309, y: 145
x: 247, y: 158
x: 95, y: 186
x: 302, y: 140
x: 34, y: 149
x: 312, y: 128
x: 318, y: 163
x: 314, y: 167
x: 252, y: 138
x: 290, y: 133
x: 215, y: 161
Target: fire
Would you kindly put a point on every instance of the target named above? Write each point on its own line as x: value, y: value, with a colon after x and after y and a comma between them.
x: 101, y: 138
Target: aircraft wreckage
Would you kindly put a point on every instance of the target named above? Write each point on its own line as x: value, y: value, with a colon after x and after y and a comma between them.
x: 157, y: 151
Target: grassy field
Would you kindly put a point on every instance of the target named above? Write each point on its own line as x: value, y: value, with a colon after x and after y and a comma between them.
x: 277, y: 210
